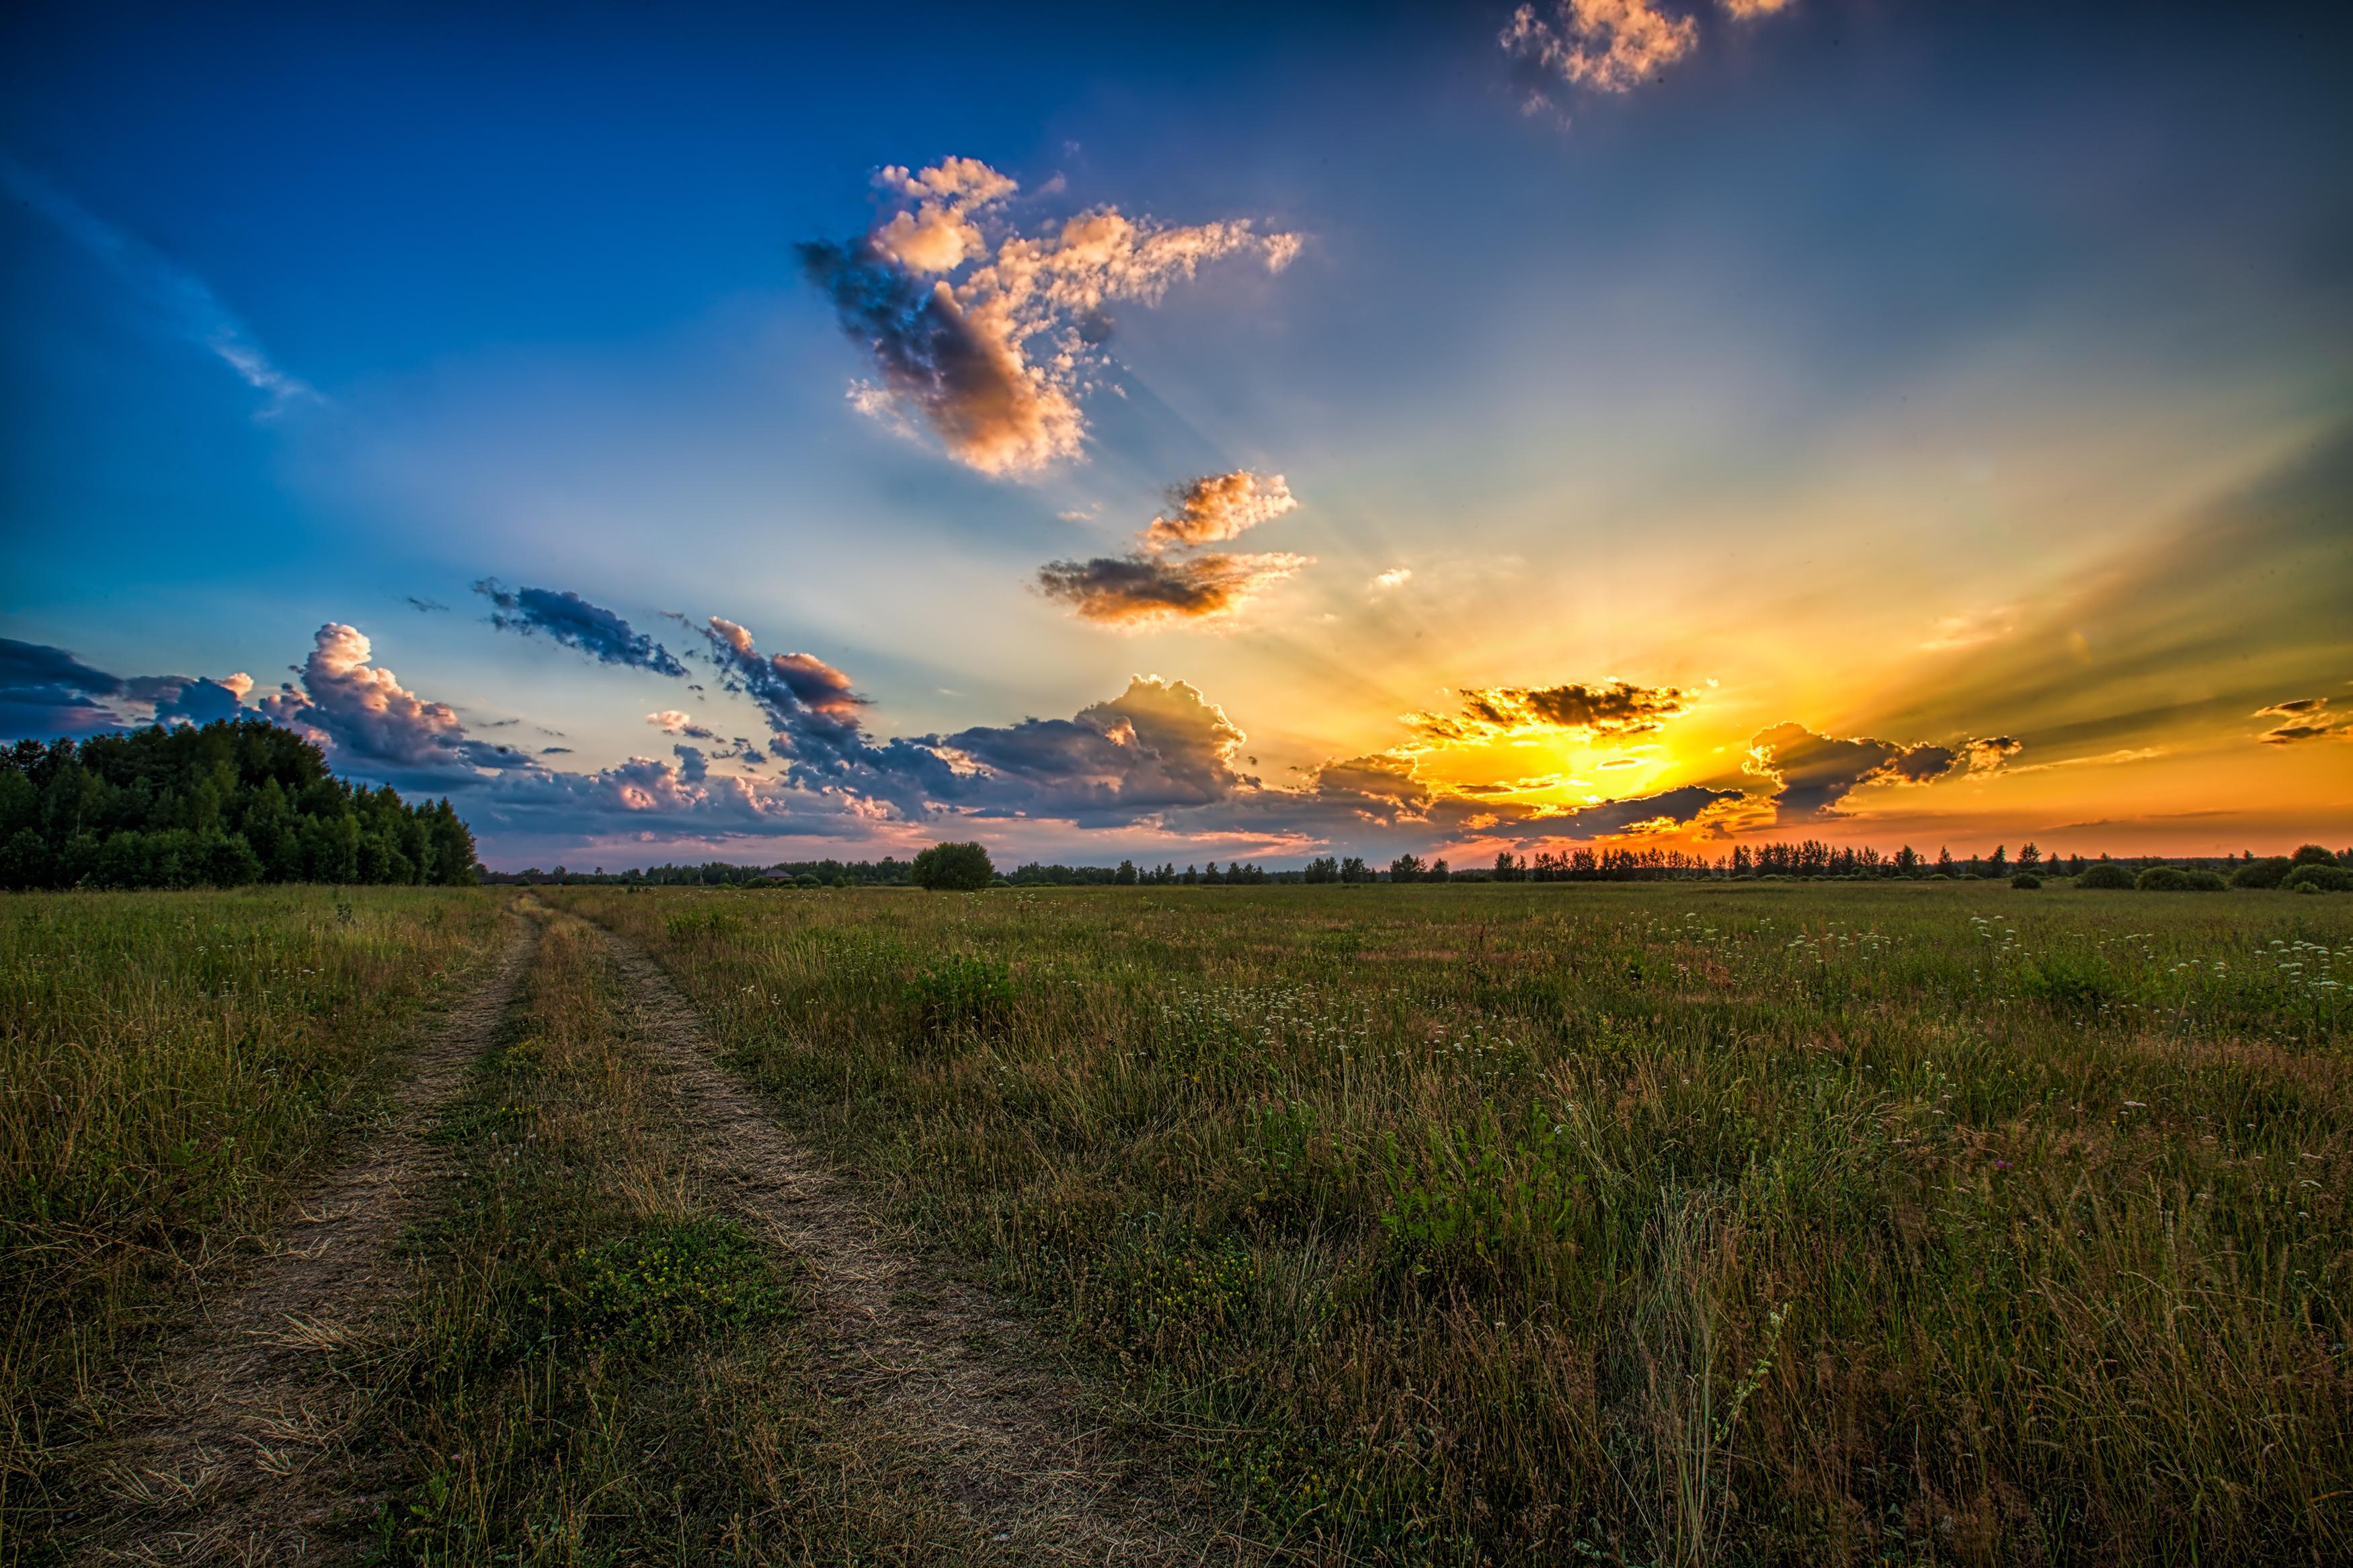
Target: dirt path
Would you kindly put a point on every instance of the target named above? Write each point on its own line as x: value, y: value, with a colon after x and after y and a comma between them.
x: 210, y: 1466
x: 955, y: 1373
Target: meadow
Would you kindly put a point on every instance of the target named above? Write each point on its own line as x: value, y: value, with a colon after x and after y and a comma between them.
x: 1652, y: 1224
x: 171, y: 1067
x: 1645, y: 1224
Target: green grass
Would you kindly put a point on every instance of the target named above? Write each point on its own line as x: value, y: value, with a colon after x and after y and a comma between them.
x: 1665, y: 1223
x: 170, y: 1064
x: 597, y: 1366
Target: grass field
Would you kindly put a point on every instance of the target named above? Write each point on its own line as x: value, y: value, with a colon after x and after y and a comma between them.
x: 171, y: 1065
x: 1641, y: 1223
x: 1658, y: 1224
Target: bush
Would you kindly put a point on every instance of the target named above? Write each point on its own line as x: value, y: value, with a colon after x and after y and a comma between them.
x: 2105, y: 874
x: 2163, y: 879
x: 2207, y: 882
x: 2268, y: 873
x: 952, y: 868
x: 964, y: 994
x: 2069, y: 980
x: 2313, y: 854
x: 2026, y: 880
x: 2319, y: 878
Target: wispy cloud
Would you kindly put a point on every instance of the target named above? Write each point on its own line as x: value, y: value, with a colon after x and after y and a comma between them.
x: 186, y: 302
x: 1606, y: 46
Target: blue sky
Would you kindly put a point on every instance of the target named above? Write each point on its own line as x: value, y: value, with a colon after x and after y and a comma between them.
x: 1846, y: 370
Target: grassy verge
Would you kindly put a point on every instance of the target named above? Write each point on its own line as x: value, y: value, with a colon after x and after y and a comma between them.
x: 171, y: 1064
x: 598, y: 1367
x: 1768, y: 1223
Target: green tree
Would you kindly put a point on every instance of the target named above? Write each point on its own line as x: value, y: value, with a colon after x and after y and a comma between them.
x: 952, y: 868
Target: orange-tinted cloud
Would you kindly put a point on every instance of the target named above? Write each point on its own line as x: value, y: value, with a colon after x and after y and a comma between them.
x: 1812, y: 773
x: 1141, y: 589
x: 2306, y: 719
x: 989, y: 341
x: 1219, y: 506
x: 1490, y: 712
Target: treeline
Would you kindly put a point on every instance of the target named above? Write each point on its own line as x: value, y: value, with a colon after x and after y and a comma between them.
x: 235, y: 802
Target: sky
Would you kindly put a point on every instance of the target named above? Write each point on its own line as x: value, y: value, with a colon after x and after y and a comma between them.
x: 1235, y: 432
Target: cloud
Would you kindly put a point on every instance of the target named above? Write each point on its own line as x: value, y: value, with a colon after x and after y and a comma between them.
x: 809, y: 702
x: 1219, y: 506
x: 1606, y: 46
x: 363, y: 716
x: 47, y: 693
x: 670, y: 720
x: 1168, y: 575
x: 577, y: 624
x: 1137, y: 590
x: 1394, y: 577
x: 2307, y: 719
x: 192, y: 310
x: 1812, y: 773
x: 424, y: 606
x: 1618, y: 708
x: 986, y: 336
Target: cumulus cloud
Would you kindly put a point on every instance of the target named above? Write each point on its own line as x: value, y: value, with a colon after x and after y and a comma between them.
x: 1492, y: 712
x: 1140, y: 589
x: 181, y: 300
x: 1394, y: 577
x: 1606, y: 46
x: 573, y: 621
x: 810, y: 703
x: 2302, y: 718
x: 47, y: 693
x: 363, y: 715
x: 1812, y: 773
x: 1219, y: 506
x: 1169, y: 575
x: 986, y: 336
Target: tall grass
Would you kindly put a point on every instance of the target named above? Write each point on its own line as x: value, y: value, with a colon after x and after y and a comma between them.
x: 1656, y: 1225
x: 169, y: 1063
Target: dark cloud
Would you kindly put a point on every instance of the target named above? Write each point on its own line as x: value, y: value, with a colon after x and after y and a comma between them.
x: 1812, y: 773
x: 1619, y: 707
x: 46, y: 693
x: 2309, y: 719
x: 1136, y: 590
x: 577, y: 624
x: 809, y: 702
x: 424, y: 607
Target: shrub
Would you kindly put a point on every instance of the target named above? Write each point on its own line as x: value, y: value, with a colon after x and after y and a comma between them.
x: 2026, y: 880
x: 2163, y: 879
x: 2319, y: 878
x: 2268, y: 873
x: 2313, y: 854
x: 952, y: 868
x: 2105, y: 874
x: 962, y: 993
x: 2207, y: 882
x: 2068, y: 979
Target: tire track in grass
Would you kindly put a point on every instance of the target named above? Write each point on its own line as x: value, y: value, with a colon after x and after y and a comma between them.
x: 957, y: 1374
x: 211, y: 1464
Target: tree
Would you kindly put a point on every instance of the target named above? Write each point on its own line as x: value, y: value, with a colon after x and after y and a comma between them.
x: 1125, y: 875
x: 1353, y: 869
x: 2029, y: 859
x: 1406, y: 869
x: 953, y: 868
x: 1506, y: 868
x: 1437, y: 872
x: 2313, y: 854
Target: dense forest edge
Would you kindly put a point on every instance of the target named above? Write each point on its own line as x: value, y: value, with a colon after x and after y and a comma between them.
x: 224, y: 804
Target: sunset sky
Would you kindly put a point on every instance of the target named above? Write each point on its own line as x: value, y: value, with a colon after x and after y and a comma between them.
x: 690, y: 432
